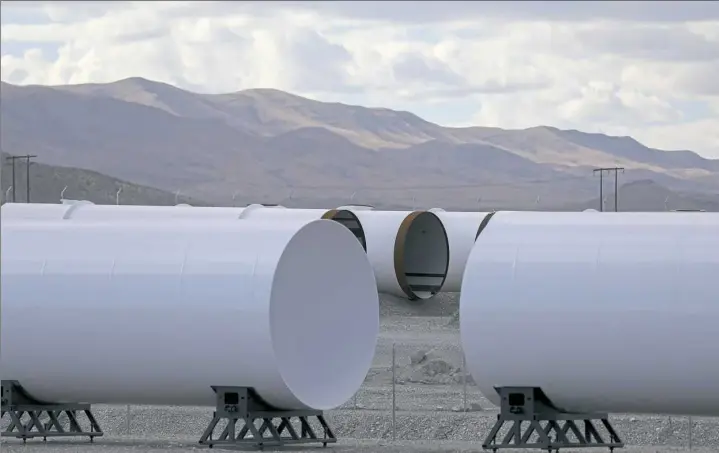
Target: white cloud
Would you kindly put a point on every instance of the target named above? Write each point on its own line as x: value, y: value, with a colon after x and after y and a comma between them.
x: 690, y: 135
x: 646, y: 69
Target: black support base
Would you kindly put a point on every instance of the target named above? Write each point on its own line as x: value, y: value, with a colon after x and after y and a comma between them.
x: 29, y: 418
x: 527, y: 419
x: 276, y: 428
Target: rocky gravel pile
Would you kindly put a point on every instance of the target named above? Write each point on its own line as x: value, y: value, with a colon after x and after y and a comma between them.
x: 432, y: 368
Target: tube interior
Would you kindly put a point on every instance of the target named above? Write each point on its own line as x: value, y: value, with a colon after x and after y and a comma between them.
x: 421, y: 255
x: 349, y: 220
x: 324, y: 315
x: 484, y: 223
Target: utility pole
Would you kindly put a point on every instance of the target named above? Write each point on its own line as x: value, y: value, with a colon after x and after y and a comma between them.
x: 27, y: 158
x: 12, y: 160
x: 27, y: 174
x: 616, y: 186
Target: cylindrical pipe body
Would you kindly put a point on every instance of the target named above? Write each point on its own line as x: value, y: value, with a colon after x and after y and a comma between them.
x: 247, y: 210
x: 91, y: 212
x: 462, y: 229
x: 614, y: 312
x: 410, y: 256
x: 408, y: 251
x: 156, y: 313
x: 345, y: 217
x: 357, y: 207
x: 40, y: 211
x: 88, y: 211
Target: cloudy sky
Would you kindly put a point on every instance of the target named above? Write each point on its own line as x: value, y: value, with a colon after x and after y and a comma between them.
x: 645, y: 69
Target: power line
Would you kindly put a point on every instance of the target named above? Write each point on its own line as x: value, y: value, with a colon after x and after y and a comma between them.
x: 12, y: 160
x: 601, y: 186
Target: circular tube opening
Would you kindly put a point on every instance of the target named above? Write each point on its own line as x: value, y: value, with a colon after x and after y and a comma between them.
x: 255, y: 206
x: 421, y: 255
x: 484, y: 223
x: 349, y: 220
x: 74, y: 207
x: 324, y: 315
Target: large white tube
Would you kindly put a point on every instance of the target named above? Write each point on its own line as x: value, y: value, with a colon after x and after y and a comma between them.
x: 91, y: 212
x: 408, y: 251
x: 342, y: 216
x: 462, y: 230
x: 40, y: 211
x: 410, y: 255
x: 615, y: 312
x: 156, y: 313
x: 357, y: 207
x: 82, y: 210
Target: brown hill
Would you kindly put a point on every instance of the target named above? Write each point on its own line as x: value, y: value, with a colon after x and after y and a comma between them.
x: 271, y: 145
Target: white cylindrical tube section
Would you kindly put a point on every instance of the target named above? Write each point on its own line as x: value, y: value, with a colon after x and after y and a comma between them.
x: 92, y: 212
x: 357, y: 207
x: 156, y: 313
x: 408, y: 251
x: 97, y: 212
x: 612, y: 313
x: 40, y: 211
x: 342, y: 216
x: 462, y: 230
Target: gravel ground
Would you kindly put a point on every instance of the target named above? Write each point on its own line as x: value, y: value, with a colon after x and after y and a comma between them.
x: 429, y: 396
x: 128, y: 445
x: 443, y: 304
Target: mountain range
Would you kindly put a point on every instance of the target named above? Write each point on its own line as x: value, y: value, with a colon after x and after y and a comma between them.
x: 265, y: 145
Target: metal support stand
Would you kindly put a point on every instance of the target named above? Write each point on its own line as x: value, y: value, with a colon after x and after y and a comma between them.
x: 242, y: 404
x: 30, y: 418
x: 532, y: 421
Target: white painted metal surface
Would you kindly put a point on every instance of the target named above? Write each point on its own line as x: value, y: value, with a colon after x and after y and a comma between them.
x: 279, y: 215
x: 156, y: 313
x: 615, y: 312
x: 345, y: 217
x: 87, y: 211
x: 357, y: 207
x: 410, y: 255
x: 245, y: 212
x: 462, y: 229
x: 408, y: 251
x: 40, y: 211
x: 83, y: 210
